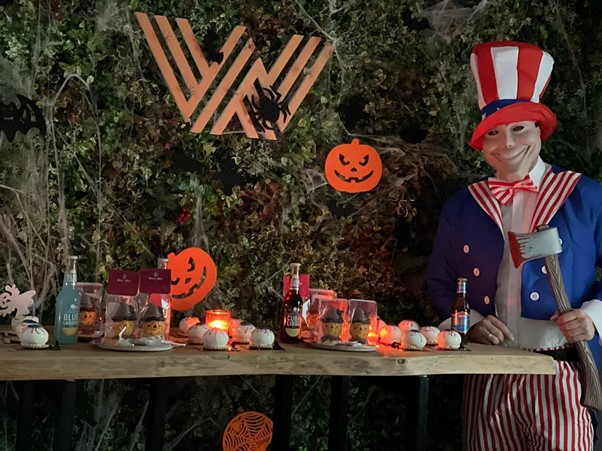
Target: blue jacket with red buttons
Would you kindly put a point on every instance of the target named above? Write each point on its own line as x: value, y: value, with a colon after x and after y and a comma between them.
x: 467, y: 239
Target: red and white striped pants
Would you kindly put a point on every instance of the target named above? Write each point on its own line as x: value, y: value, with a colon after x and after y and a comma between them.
x: 526, y: 412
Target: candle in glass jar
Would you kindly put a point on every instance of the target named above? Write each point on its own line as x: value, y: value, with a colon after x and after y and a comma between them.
x: 219, y: 319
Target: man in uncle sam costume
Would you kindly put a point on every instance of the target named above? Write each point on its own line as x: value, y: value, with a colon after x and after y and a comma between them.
x: 515, y: 306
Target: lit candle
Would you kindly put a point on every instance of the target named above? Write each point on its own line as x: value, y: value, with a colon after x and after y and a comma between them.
x: 219, y: 319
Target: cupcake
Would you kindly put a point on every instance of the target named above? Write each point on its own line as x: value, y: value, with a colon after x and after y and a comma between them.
x: 215, y: 340
x: 412, y: 340
x: 262, y: 339
x: 186, y: 323
x: 390, y: 334
x: 408, y: 324
x: 34, y: 336
x: 449, y: 339
x: 14, y: 323
x: 125, y: 317
x: 243, y: 332
x: 23, y: 325
x: 332, y: 324
x: 380, y: 324
x: 430, y: 333
x: 196, y: 333
x: 153, y: 321
x: 360, y: 326
x: 234, y: 323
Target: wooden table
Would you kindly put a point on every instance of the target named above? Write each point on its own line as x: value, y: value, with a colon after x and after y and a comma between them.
x: 87, y: 361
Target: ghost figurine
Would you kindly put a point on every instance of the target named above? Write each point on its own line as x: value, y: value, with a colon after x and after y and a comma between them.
x: 13, y: 300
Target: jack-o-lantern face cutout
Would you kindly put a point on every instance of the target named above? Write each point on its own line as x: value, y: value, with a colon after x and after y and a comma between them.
x: 87, y: 318
x: 353, y: 168
x: 152, y: 328
x: 193, y: 275
x: 126, y: 325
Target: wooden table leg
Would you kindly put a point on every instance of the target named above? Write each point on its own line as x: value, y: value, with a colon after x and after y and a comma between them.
x: 155, y: 415
x: 419, y: 400
x: 283, y: 404
x: 25, y: 415
x: 337, y: 431
x: 63, y: 426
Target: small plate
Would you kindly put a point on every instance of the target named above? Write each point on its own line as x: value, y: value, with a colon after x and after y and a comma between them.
x: 44, y: 346
x: 135, y: 348
x: 89, y: 336
x: 343, y: 346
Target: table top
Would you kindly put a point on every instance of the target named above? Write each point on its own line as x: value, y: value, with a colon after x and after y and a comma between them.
x: 88, y: 361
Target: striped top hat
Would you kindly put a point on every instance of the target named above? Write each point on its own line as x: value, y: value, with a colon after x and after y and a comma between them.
x: 511, y: 77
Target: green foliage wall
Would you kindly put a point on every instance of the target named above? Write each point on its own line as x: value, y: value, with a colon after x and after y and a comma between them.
x: 105, y: 183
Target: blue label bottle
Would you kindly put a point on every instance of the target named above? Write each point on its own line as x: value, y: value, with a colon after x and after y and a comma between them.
x: 66, y: 318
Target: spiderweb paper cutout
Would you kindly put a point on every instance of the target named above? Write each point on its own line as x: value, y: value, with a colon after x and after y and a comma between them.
x: 448, y: 19
x: 248, y: 431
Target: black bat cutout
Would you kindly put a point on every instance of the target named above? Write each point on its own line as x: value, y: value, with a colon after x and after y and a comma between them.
x: 211, y: 49
x: 15, y: 119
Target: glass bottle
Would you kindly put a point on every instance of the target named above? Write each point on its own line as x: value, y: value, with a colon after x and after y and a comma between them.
x: 291, y: 308
x: 165, y: 299
x: 460, y: 318
x: 66, y: 318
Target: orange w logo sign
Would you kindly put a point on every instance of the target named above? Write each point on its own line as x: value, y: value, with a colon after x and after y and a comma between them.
x: 258, y: 104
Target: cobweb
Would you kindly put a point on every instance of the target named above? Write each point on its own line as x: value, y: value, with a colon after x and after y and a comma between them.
x: 448, y: 19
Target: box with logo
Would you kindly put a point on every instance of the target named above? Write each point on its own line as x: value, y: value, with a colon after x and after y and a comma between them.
x: 333, y: 323
x: 91, y: 314
x: 121, y: 306
x: 153, y: 302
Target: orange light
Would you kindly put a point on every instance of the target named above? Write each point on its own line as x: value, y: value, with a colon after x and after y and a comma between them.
x: 218, y: 323
x: 372, y: 338
x: 219, y: 319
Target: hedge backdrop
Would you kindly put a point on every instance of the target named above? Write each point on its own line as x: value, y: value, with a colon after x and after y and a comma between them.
x: 119, y: 180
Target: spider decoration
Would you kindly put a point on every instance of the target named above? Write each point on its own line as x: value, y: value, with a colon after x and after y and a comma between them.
x: 266, y: 109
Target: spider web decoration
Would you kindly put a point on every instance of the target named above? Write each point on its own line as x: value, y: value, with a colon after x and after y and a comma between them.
x: 248, y: 431
x: 448, y: 19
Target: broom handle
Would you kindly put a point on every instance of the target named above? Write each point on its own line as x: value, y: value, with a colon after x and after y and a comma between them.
x: 591, y: 391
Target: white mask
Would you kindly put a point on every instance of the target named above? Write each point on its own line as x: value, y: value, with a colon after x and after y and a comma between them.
x: 512, y: 149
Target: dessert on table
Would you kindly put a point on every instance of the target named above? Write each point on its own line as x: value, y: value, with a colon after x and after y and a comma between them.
x: 261, y: 338
x: 430, y: 333
x: 215, y: 340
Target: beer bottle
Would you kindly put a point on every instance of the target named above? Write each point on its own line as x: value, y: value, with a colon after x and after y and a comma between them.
x: 291, y: 309
x: 460, y: 318
x: 66, y: 316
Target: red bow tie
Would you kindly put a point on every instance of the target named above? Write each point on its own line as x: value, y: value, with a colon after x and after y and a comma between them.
x: 504, y: 191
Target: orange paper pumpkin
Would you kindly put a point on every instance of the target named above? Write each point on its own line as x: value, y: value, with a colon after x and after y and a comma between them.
x: 248, y: 431
x: 193, y: 275
x: 353, y: 168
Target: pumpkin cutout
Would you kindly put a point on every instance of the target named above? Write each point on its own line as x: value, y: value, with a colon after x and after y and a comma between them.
x: 248, y: 431
x: 193, y: 275
x: 353, y: 168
